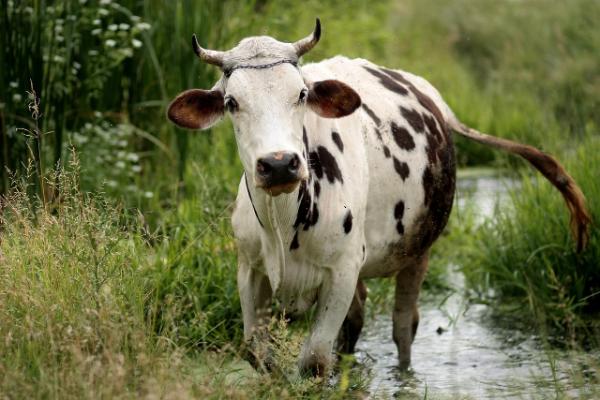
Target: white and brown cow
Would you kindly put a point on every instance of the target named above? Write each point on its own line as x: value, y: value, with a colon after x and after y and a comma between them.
x: 349, y: 174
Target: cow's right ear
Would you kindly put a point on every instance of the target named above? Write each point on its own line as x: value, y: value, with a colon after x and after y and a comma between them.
x: 196, y: 108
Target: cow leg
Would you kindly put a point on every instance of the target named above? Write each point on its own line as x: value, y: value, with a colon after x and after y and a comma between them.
x: 406, y: 312
x: 335, y: 297
x: 255, y: 298
x: 353, y: 323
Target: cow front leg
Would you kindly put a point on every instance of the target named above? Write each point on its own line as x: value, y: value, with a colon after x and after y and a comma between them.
x: 353, y: 324
x: 255, y: 298
x: 335, y: 296
x: 406, y: 312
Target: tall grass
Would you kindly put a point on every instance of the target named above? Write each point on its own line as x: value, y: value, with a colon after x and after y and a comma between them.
x: 85, y: 311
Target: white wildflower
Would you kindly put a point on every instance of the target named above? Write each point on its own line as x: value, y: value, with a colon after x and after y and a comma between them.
x: 133, y: 157
x: 105, y: 2
x: 103, y: 11
x: 143, y: 26
x: 127, y: 52
x: 93, y: 53
x: 136, y: 43
x: 123, y: 27
x: 17, y: 97
x: 113, y: 27
x: 14, y: 84
x: 110, y: 43
x: 96, y: 22
x: 96, y: 32
x: 148, y: 195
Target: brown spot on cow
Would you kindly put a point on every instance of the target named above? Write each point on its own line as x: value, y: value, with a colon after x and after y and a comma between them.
x: 337, y: 140
x: 398, y: 215
x: 402, y: 137
x: 295, y: 244
x: 432, y: 128
x: 386, y: 152
x: 308, y: 211
x: 348, y: 222
x: 413, y: 117
x: 317, y: 188
x: 388, y: 82
x: 422, y: 98
x: 401, y: 168
x: 428, y: 186
x: 439, y: 185
x: 323, y: 163
x: 371, y: 114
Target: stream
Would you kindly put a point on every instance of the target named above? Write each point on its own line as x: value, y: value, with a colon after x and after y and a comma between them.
x: 458, y: 351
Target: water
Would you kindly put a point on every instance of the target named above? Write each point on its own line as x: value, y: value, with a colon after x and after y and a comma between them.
x: 459, y: 351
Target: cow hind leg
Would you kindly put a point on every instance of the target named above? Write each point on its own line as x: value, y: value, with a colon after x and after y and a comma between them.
x: 353, y: 324
x: 406, y: 312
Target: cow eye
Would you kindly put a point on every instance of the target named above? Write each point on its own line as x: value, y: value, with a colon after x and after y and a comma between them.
x: 231, y: 104
x: 302, y: 96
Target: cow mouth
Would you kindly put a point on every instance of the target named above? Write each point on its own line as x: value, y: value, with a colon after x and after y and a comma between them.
x: 287, y: 188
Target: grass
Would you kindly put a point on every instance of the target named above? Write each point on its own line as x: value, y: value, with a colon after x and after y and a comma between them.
x: 86, y: 312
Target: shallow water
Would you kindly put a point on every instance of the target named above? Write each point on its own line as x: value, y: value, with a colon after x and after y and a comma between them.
x: 459, y: 352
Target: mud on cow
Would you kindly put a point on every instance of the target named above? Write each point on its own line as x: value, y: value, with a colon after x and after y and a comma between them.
x: 349, y: 174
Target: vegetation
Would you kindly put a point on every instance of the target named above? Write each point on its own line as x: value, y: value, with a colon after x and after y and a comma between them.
x: 533, y: 259
x: 117, y: 262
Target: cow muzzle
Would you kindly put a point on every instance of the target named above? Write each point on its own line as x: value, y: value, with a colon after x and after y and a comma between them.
x: 279, y: 172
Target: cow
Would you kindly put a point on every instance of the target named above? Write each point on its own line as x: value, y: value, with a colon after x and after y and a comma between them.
x: 349, y: 174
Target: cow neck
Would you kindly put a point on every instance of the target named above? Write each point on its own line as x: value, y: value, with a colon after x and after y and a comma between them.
x: 275, y: 214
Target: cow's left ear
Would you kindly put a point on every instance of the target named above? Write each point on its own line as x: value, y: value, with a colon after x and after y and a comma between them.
x: 332, y: 99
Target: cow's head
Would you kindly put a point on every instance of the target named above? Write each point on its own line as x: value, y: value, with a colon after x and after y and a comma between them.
x: 264, y: 92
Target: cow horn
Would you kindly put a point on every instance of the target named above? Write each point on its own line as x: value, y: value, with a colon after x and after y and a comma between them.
x: 303, y: 46
x: 209, y: 56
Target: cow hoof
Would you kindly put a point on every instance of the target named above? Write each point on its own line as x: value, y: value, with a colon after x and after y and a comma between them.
x: 404, y: 365
x: 314, y: 366
x: 260, y: 356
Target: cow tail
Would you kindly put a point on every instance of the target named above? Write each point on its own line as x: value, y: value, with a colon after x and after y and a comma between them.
x: 549, y: 167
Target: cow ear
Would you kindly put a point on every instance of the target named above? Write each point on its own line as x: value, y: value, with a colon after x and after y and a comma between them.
x: 196, y: 108
x: 332, y: 99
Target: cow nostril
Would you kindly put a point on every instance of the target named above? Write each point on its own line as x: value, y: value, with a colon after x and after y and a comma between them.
x: 295, y: 162
x: 263, y: 167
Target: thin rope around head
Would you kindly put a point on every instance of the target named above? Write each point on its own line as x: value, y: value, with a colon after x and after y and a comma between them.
x: 229, y: 71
